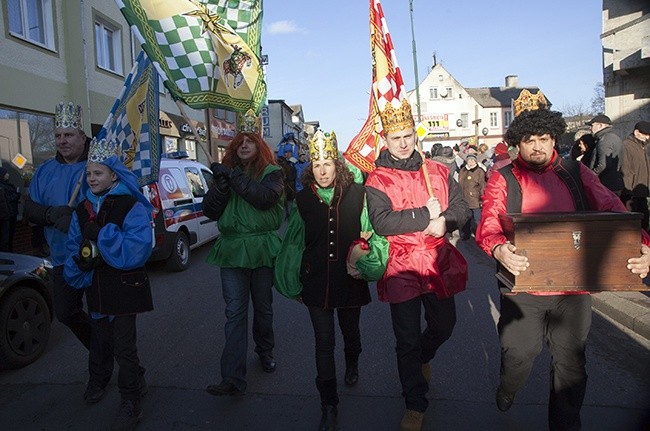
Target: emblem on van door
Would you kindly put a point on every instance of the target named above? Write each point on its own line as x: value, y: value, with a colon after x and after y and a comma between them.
x: 169, y: 183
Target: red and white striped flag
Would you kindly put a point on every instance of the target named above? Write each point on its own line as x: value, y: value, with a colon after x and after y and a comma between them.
x: 387, y: 87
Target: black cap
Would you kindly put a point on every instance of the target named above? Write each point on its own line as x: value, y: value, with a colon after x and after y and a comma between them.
x: 643, y: 127
x: 599, y: 119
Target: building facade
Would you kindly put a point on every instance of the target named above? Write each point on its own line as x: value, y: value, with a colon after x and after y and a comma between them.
x: 70, y: 51
x: 453, y: 114
x: 626, y: 62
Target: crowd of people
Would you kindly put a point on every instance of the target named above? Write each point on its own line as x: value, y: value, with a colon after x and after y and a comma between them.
x: 343, y: 230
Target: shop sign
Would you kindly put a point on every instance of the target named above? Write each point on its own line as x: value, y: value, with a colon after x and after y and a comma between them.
x: 222, y: 129
x: 436, y: 123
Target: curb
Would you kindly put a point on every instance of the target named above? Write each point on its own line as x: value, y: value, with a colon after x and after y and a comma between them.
x: 630, y: 309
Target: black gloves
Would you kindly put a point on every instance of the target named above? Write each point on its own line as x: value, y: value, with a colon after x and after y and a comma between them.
x: 221, y: 177
x: 91, y: 231
x: 88, y: 257
x: 60, y: 217
x: 222, y: 184
x: 84, y: 265
x: 219, y: 169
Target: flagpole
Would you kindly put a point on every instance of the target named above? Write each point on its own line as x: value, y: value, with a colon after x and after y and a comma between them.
x: 415, y: 65
x: 196, y: 134
x: 424, y: 169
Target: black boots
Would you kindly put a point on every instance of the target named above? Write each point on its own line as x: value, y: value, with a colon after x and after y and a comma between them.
x: 351, y: 372
x: 328, y: 418
x: 329, y: 399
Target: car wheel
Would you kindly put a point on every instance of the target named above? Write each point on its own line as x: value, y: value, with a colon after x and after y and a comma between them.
x: 25, y: 322
x: 179, y: 260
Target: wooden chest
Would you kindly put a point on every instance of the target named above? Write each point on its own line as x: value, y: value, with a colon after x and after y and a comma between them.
x: 573, y: 251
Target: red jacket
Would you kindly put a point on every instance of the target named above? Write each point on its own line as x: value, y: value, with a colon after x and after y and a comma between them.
x: 542, y: 191
x: 417, y: 263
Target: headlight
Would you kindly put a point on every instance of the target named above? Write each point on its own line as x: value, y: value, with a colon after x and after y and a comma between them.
x: 43, y: 270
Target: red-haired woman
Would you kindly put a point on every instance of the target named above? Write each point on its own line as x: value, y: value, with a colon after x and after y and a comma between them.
x: 247, y: 202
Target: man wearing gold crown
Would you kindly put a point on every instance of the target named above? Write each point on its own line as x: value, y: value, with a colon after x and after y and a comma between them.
x: 424, y: 269
x: 50, y: 191
x: 108, y: 244
x: 538, y: 180
x: 247, y: 202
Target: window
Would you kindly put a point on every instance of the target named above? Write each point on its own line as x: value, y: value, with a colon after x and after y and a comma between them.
x: 508, y: 118
x: 450, y: 93
x: 28, y: 135
x: 465, y: 119
x: 32, y: 20
x: 108, y: 47
x: 433, y: 93
x: 194, y: 179
x: 493, y: 119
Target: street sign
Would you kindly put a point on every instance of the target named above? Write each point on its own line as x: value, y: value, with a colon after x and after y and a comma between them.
x: 422, y: 131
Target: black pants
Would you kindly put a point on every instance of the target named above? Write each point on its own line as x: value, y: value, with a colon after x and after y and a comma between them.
x: 323, y: 323
x: 7, y: 231
x: 116, y: 337
x: 562, y: 322
x: 68, y: 307
x: 415, y: 347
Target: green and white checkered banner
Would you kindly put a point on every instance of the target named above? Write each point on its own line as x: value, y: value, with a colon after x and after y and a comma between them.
x: 206, y: 51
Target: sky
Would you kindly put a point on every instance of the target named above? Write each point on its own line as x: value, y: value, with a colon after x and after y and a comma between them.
x: 319, y: 51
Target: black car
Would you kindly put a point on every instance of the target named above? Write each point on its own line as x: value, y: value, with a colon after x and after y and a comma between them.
x: 25, y: 308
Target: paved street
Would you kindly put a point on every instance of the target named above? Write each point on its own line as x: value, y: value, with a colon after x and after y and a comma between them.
x: 180, y: 345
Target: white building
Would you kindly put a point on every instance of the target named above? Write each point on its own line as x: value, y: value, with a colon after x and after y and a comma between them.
x: 453, y: 113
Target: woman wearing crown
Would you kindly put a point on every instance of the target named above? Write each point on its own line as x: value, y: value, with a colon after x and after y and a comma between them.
x: 109, y: 242
x: 322, y: 262
x: 247, y: 202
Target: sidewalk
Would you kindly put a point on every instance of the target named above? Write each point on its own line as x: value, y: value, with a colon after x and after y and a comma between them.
x: 630, y: 309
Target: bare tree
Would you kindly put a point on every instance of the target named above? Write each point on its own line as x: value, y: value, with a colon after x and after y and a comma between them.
x: 598, y: 101
x: 576, y: 115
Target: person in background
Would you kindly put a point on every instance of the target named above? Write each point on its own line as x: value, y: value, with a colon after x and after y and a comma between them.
x: 636, y: 171
x: 471, y: 179
x: 248, y: 204
x: 538, y: 181
x: 587, y: 144
x: 109, y: 242
x: 424, y: 269
x: 11, y: 199
x: 303, y: 162
x: 53, y: 194
x: 608, y: 154
x: 501, y: 158
x: 322, y: 264
x: 287, y: 158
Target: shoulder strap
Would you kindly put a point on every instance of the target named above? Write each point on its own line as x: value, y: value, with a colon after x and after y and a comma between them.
x: 569, y: 173
x: 513, y: 204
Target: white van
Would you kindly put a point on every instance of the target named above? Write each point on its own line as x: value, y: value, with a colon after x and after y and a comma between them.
x: 177, y: 199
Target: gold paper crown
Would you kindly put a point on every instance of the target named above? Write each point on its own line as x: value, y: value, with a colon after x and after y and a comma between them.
x: 323, y: 146
x: 394, y: 120
x: 68, y: 116
x: 249, y: 122
x: 529, y: 102
x: 101, y: 150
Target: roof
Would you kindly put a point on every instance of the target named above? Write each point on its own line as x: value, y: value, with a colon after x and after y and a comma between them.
x: 496, y: 97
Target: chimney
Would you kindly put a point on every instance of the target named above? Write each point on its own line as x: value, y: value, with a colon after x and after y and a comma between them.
x: 512, y: 81
x: 435, y: 60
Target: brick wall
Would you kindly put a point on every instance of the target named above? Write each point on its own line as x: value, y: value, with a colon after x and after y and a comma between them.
x: 23, y: 238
